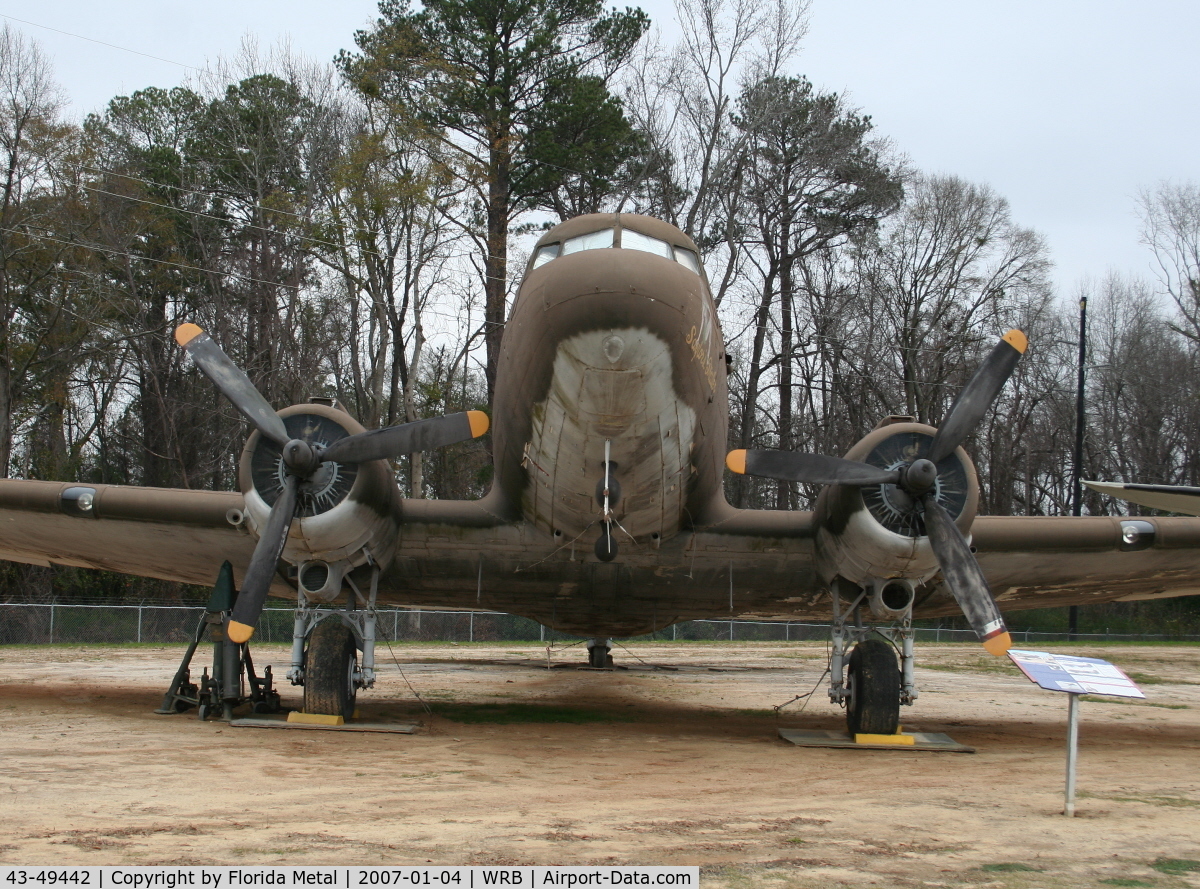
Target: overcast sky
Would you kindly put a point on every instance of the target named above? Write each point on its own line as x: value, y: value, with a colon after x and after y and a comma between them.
x: 1067, y: 109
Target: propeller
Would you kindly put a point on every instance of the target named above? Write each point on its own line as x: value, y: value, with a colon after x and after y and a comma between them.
x: 302, y: 459
x: 918, y: 479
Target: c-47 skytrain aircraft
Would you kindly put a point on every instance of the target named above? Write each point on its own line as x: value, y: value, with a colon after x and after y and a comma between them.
x: 607, y: 516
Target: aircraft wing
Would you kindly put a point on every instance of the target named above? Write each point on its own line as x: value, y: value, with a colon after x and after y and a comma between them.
x: 1171, y: 498
x: 169, y: 534
x: 183, y: 535
x: 1028, y: 562
x: 1050, y: 561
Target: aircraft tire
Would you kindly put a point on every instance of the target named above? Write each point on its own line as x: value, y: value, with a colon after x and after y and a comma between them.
x: 874, y: 704
x: 329, y: 666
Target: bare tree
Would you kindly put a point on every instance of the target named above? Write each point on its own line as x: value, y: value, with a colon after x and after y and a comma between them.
x: 950, y: 270
x: 1171, y: 228
x: 813, y: 180
x: 682, y: 100
x: 1142, y: 388
x: 31, y: 138
x: 386, y: 232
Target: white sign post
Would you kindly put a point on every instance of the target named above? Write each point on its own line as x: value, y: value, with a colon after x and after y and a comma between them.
x: 1072, y: 753
x: 1076, y: 676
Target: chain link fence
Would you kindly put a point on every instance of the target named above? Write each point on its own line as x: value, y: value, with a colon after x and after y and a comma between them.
x: 30, y: 624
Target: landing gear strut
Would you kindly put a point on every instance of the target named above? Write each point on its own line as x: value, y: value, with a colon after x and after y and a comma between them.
x: 325, y: 645
x: 869, y: 683
x: 600, y: 652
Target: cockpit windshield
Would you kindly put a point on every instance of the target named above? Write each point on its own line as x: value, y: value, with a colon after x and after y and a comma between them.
x: 606, y: 238
x: 632, y: 240
x: 689, y: 258
x: 590, y: 241
x: 545, y: 254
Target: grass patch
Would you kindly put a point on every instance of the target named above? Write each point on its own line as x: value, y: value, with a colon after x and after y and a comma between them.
x: 102, y: 646
x: 1131, y: 702
x: 1125, y: 881
x: 748, y: 711
x: 978, y: 666
x: 508, y: 714
x: 1174, y: 802
x: 1176, y: 867
x: 1151, y: 679
x: 1010, y: 867
x: 1146, y: 678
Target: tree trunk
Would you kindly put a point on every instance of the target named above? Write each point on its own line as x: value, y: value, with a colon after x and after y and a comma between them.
x: 753, y: 376
x: 495, y: 285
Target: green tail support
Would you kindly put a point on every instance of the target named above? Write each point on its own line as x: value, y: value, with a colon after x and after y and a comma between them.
x: 222, y: 692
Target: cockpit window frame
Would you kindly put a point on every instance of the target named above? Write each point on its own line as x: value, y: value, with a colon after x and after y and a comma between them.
x: 632, y: 239
x: 621, y: 238
x: 688, y: 258
x: 544, y: 254
x: 590, y: 241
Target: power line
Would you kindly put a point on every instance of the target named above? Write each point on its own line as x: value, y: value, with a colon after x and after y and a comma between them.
x: 147, y: 55
x: 210, y: 194
x: 203, y: 215
x: 196, y: 68
x: 232, y: 274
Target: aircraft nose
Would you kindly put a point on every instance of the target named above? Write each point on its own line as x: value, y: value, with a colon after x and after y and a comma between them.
x: 614, y: 350
x: 613, y: 281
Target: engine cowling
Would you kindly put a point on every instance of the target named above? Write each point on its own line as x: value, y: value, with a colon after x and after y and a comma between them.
x: 872, y: 536
x: 346, y: 514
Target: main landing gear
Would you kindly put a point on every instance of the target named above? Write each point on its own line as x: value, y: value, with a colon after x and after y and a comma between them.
x: 325, y: 646
x: 600, y: 652
x: 869, y: 683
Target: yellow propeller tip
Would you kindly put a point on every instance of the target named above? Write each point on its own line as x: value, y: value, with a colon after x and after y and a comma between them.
x: 185, y: 333
x: 1017, y: 340
x: 479, y: 423
x: 238, y: 633
x: 736, y: 461
x: 997, y: 645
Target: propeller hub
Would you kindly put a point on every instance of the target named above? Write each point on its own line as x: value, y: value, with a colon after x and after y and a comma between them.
x: 300, y: 458
x: 919, y: 477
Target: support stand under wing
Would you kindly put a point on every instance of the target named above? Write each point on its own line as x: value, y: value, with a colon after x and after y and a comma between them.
x: 232, y: 668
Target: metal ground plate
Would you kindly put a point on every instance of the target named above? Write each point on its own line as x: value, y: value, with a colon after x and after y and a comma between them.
x: 824, y: 738
x: 280, y: 721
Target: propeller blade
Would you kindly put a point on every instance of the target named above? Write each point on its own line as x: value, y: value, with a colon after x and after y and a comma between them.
x: 965, y: 578
x: 407, y: 438
x: 818, y: 469
x: 233, y: 383
x: 257, y: 582
x: 977, y: 396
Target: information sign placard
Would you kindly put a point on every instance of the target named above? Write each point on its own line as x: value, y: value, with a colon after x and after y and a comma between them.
x: 1076, y: 675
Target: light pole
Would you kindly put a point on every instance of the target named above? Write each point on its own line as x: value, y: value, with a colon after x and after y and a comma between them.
x: 1077, y: 492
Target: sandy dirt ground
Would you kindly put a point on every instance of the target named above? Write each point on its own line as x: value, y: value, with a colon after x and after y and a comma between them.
x: 653, y: 766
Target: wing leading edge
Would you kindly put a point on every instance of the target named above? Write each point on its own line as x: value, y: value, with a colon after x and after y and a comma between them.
x: 167, y: 534
x: 1170, y: 498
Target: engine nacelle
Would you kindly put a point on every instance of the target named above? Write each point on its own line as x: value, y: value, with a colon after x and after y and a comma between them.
x: 872, y: 537
x: 345, y: 514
